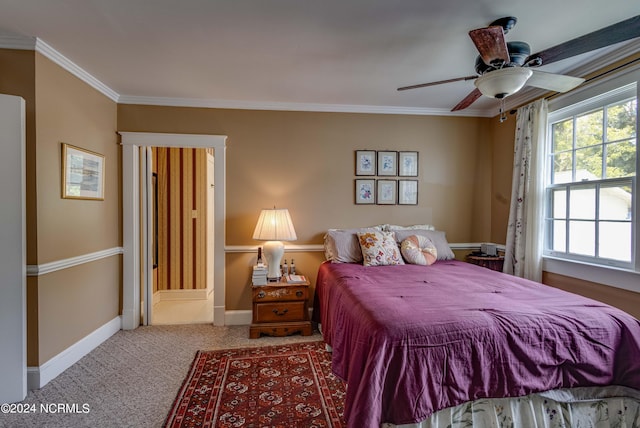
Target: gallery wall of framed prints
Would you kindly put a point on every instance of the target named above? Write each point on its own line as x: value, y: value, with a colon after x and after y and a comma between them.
x: 395, y: 185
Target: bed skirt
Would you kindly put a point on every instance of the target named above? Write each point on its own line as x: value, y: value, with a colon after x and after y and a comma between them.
x: 603, y: 407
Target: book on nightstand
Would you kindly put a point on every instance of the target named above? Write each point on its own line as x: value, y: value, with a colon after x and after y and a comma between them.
x: 259, y: 276
x: 296, y: 279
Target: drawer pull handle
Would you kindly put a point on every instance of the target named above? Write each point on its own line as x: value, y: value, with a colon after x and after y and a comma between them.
x: 299, y: 293
x: 284, y: 311
x: 261, y: 294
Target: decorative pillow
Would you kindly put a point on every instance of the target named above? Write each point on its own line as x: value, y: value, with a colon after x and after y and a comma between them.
x: 438, y: 238
x: 418, y: 250
x: 342, y: 246
x: 379, y: 249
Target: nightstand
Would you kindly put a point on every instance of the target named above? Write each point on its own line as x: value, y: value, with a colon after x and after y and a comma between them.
x: 280, y: 309
x: 489, y: 262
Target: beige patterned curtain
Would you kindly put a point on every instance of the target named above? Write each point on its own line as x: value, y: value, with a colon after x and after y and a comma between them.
x: 523, y: 255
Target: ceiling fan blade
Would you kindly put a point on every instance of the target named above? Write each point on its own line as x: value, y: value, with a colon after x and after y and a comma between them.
x: 491, y: 44
x: 439, y: 82
x: 468, y: 100
x: 553, y: 82
x: 616, y: 33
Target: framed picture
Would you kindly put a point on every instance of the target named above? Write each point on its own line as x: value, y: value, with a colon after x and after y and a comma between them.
x: 408, y: 164
x: 387, y: 163
x: 82, y: 174
x: 365, y: 162
x: 365, y: 191
x: 386, y: 192
x: 408, y: 192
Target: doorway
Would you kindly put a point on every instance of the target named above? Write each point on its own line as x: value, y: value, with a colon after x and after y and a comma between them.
x: 182, y: 238
x: 138, y: 252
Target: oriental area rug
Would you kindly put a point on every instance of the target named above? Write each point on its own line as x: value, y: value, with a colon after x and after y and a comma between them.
x: 274, y: 386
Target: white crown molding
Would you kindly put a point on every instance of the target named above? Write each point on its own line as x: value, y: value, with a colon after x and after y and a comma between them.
x: 17, y: 42
x: 34, y: 43
x: 282, y: 106
x: 74, y: 69
x: 590, y: 66
x: 45, y: 268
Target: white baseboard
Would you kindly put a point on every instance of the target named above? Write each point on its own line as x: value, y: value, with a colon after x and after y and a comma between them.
x: 242, y: 317
x: 162, y: 295
x: 37, y: 377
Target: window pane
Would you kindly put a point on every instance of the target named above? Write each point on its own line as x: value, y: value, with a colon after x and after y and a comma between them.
x: 559, y: 200
x: 589, y: 163
x: 582, y: 237
x: 621, y: 159
x: 615, y: 201
x: 559, y: 235
x: 621, y: 121
x: 582, y: 203
x: 589, y: 129
x: 615, y: 240
x: 563, y: 135
x: 562, y: 167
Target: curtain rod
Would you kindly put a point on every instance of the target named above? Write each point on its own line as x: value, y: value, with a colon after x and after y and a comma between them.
x: 597, y: 76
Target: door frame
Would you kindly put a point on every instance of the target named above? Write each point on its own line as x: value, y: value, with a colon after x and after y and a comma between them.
x: 136, y: 257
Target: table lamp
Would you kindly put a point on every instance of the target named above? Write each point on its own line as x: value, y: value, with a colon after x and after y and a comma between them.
x: 274, y: 226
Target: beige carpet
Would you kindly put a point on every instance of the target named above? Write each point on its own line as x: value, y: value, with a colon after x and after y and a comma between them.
x: 132, y: 379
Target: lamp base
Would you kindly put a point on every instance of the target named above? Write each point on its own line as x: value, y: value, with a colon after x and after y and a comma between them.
x: 273, y: 252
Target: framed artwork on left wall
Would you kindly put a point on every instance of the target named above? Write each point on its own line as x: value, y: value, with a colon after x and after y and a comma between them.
x: 82, y: 173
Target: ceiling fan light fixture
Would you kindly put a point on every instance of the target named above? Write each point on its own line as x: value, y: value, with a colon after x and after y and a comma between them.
x: 503, y: 82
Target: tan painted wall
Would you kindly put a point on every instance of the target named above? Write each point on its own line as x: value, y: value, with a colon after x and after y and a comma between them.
x: 73, y: 302
x: 305, y: 162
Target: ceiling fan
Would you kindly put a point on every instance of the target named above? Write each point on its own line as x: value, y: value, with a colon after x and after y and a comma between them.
x: 503, y: 68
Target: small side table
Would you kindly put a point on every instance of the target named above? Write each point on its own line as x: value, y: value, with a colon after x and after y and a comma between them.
x: 490, y: 262
x: 280, y: 309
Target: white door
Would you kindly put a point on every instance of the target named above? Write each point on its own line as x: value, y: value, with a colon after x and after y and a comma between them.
x: 13, y: 334
x: 210, y: 222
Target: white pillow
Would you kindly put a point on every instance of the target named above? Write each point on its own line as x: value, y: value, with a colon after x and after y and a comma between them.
x: 342, y: 246
x: 379, y: 248
x: 418, y: 250
x: 438, y: 238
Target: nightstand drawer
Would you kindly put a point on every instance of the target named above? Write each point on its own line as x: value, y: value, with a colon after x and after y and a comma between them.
x: 280, y: 294
x: 279, y: 312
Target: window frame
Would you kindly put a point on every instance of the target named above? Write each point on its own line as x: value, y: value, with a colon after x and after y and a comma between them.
x: 578, y: 102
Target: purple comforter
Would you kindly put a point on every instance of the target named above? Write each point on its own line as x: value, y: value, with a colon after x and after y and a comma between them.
x: 411, y: 340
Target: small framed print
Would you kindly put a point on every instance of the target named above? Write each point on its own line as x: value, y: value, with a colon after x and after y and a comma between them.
x: 365, y: 162
x: 387, y: 163
x: 408, y: 192
x: 408, y: 164
x: 82, y: 173
x: 365, y: 191
x: 386, y: 192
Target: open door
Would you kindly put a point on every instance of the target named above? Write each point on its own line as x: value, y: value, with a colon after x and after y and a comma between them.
x: 13, y: 334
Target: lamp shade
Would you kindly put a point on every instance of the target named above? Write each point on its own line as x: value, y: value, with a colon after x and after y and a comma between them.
x: 274, y: 225
x: 503, y: 82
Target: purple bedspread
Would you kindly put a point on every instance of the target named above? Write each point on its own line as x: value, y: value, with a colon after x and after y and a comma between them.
x: 411, y: 340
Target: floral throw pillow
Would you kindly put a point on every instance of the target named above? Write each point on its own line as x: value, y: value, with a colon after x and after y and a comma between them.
x: 418, y: 250
x: 379, y: 249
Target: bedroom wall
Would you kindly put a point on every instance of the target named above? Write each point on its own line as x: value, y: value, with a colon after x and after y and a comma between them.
x: 64, y: 306
x: 68, y: 304
x: 304, y: 161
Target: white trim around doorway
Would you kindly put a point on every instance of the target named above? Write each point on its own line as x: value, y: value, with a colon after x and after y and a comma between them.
x: 132, y: 216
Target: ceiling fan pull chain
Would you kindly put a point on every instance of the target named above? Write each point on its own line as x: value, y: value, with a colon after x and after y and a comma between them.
x: 503, y: 115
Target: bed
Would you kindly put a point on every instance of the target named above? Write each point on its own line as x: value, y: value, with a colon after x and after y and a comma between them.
x: 413, y: 341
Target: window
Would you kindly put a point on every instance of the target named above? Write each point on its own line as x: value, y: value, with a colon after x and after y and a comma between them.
x: 591, y: 186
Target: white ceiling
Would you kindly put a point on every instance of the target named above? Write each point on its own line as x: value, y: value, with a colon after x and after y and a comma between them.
x: 341, y: 55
